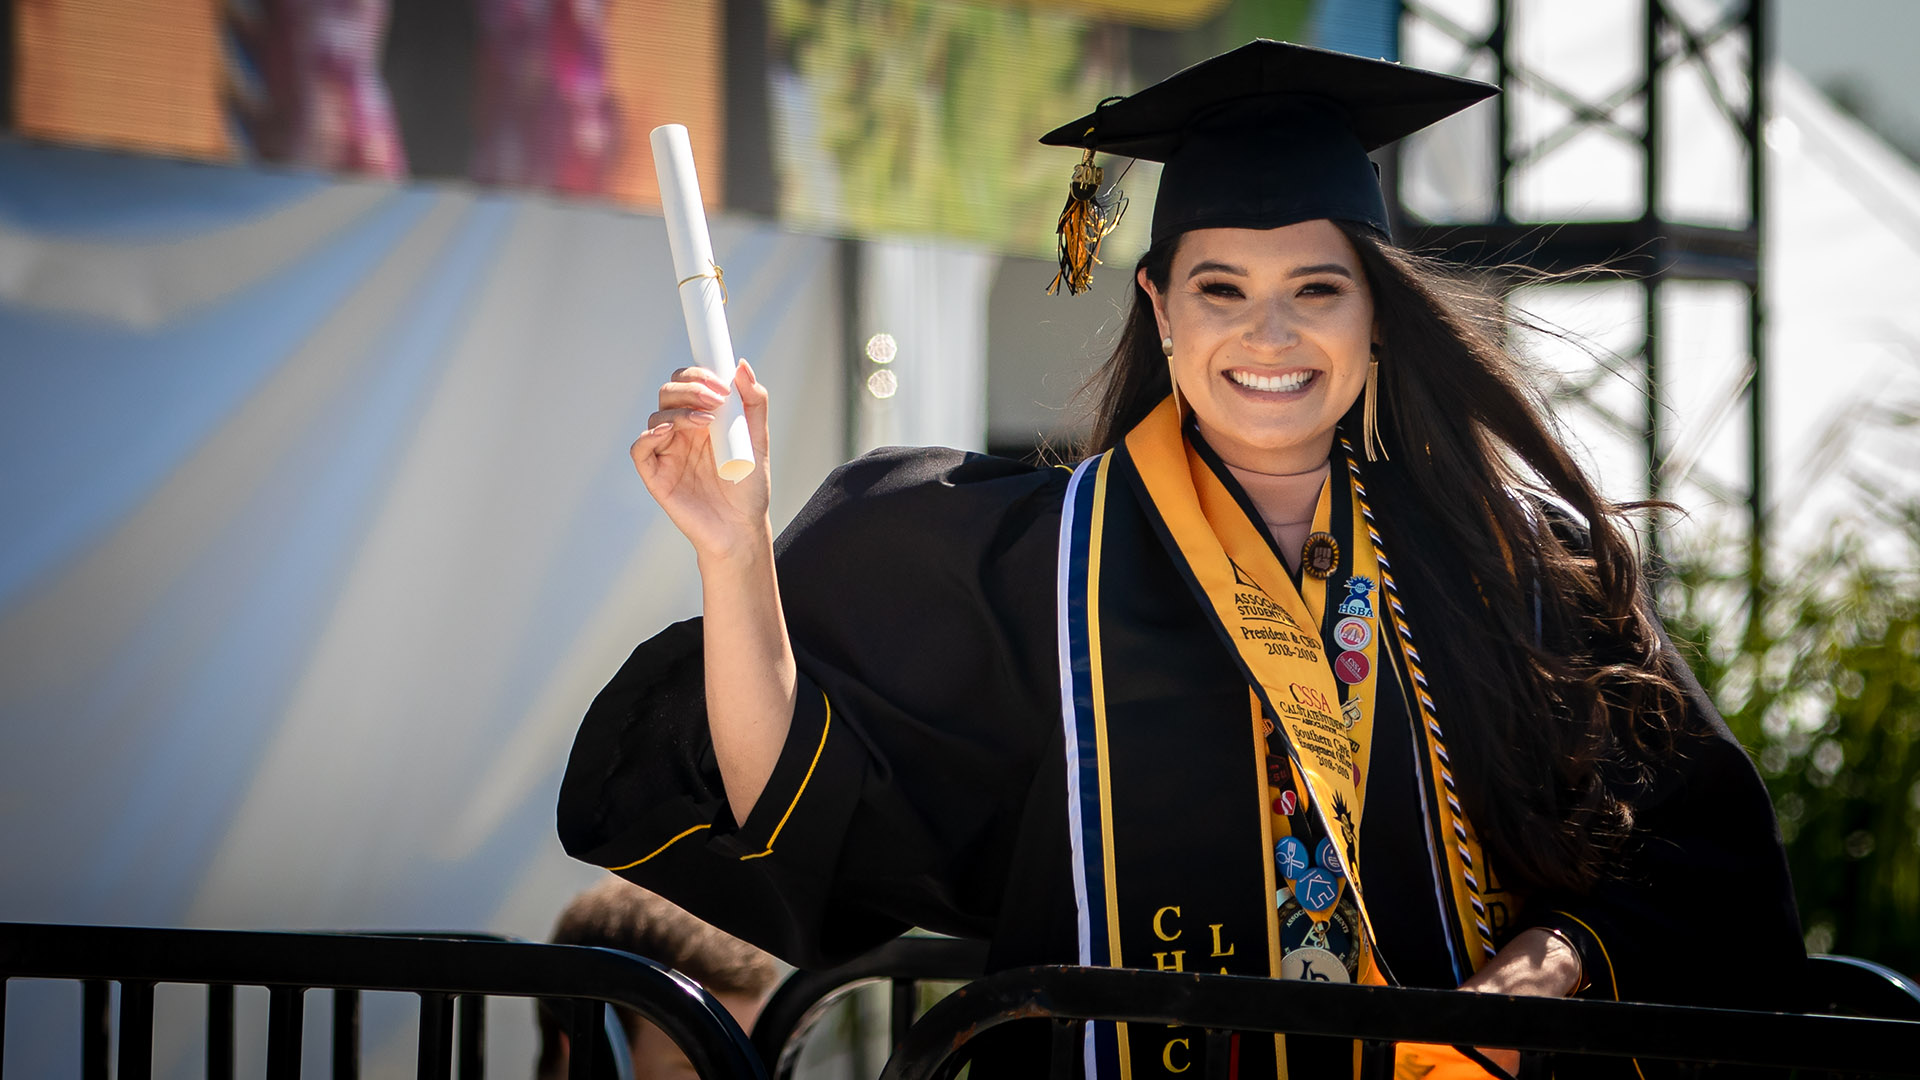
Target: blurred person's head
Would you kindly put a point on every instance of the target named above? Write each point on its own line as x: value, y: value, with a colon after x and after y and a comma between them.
x: 616, y: 914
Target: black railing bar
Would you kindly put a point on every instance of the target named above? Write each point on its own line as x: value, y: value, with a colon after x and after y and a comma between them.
x: 435, y: 1060
x: 805, y: 996
x: 96, y: 1027
x: 346, y: 1034
x: 220, y: 1031
x: 622, y: 1063
x: 473, y: 1037
x: 1242, y: 1003
x: 286, y: 1023
x: 684, y: 1012
x: 786, y: 1055
x: 1219, y: 1054
x: 1376, y: 1060
x: 905, y: 993
x: 136, y: 1031
x: 1069, y: 1043
x: 584, y: 1023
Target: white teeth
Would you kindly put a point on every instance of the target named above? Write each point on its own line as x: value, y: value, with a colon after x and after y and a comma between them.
x: 1275, y: 383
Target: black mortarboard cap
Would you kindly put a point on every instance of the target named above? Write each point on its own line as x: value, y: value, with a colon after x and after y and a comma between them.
x: 1270, y: 134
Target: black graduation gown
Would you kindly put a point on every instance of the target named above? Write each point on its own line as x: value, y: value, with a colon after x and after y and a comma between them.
x: 923, y: 778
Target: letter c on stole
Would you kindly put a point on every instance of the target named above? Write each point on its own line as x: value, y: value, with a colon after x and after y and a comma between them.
x: 1166, y: 1055
x: 1160, y: 931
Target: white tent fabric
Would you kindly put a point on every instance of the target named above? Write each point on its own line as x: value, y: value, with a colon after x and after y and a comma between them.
x: 932, y: 299
x: 321, y: 535
x: 1843, y: 286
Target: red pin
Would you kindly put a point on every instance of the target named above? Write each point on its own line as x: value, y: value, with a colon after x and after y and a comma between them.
x: 1352, y: 667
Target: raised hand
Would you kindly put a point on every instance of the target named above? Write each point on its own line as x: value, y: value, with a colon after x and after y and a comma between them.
x: 675, y: 461
x: 750, y: 673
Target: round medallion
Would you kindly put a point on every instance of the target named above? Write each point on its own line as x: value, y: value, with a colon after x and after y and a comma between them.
x: 1320, y: 556
x: 1313, y: 965
x: 1323, y: 949
x: 1353, y: 632
x: 1351, y: 667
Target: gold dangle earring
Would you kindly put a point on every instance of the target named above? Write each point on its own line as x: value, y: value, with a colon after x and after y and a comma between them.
x: 1370, y: 411
x: 1179, y: 404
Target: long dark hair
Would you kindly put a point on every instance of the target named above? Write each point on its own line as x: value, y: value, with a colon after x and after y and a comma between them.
x: 1554, y: 686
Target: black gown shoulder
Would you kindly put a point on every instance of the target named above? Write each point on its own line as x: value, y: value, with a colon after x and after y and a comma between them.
x: 919, y: 593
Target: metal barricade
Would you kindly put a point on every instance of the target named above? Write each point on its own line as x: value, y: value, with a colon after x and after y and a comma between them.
x: 805, y: 997
x: 452, y: 975
x: 1380, y: 1017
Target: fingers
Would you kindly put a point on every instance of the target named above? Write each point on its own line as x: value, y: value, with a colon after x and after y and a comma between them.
x: 679, y: 417
x: 753, y: 392
x: 659, y: 434
x: 648, y: 446
x: 690, y: 396
x: 753, y: 401
x: 698, y: 376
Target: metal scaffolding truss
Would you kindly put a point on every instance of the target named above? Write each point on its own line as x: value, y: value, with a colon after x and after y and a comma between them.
x: 1720, y: 46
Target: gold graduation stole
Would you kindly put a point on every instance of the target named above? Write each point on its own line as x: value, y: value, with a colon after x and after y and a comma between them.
x: 1216, y: 787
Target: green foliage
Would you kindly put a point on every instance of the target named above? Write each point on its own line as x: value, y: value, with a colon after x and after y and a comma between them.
x: 921, y: 116
x: 1824, y: 688
x: 924, y: 115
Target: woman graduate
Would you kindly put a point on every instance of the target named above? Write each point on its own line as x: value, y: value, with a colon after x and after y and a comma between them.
x: 1328, y: 664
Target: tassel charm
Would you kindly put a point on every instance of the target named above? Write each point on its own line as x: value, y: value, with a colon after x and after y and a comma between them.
x: 1370, y: 415
x: 1085, y: 221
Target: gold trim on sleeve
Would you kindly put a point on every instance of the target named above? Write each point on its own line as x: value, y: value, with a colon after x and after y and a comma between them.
x: 659, y: 849
x: 825, y: 726
x: 1613, y: 983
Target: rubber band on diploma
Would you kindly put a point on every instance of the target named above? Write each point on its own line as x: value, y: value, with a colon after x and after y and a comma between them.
x: 716, y: 274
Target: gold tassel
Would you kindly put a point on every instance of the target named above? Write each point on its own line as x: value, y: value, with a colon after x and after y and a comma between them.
x: 1370, y: 414
x: 1084, y: 222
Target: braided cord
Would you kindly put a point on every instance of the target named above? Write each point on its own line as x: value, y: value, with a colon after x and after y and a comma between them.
x: 1454, y: 817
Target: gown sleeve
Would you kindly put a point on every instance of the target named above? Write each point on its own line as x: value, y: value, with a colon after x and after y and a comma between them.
x: 1699, y: 909
x: 918, y: 589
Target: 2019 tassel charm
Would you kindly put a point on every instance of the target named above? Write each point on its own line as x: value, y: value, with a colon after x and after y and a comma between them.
x: 1085, y: 221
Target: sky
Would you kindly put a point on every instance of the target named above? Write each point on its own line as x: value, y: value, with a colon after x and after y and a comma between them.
x: 1865, y: 50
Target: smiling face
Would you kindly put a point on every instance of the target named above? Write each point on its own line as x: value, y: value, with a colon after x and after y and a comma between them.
x: 1271, y: 331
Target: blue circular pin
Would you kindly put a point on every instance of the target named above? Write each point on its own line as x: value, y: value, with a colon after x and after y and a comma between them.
x: 1327, y: 856
x: 1291, y: 856
x: 1316, y: 890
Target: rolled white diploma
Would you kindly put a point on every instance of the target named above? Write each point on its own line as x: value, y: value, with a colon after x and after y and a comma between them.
x: 702, y: 293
